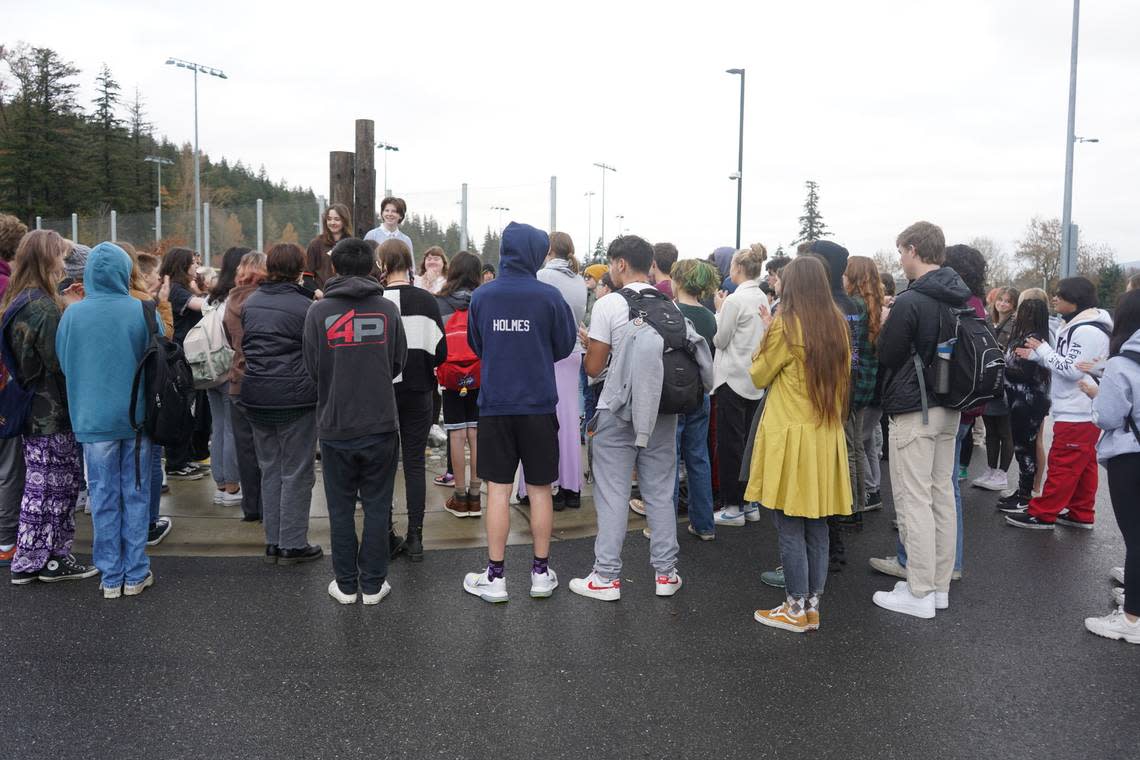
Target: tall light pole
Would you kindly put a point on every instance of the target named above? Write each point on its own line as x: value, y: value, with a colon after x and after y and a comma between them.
x: 604, y: 169
x: 196, y: 67
x: 590, y: 220
x: 500, y: 209
x: 387, y: 148
x: 1068, y: 254
x: 158, y: 162
x: 739, y: 156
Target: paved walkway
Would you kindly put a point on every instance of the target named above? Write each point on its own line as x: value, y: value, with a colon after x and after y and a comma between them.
x: 227, y: 657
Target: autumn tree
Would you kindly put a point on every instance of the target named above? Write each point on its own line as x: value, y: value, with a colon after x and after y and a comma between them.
x: 999, y: 273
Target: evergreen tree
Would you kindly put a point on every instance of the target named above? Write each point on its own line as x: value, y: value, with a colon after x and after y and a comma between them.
x: 490, y: 250
x: 812, y: 226
x: 106, y: 127
x: 599, y: 253
x: 139, y: 135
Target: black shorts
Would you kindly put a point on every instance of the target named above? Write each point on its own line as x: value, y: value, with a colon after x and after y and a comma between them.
x: 504, y: 441
x: 460, y: 412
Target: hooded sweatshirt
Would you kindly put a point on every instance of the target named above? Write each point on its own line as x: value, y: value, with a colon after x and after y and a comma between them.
x: 353, y: 348
x: 558, y: 273
x: 835, y: 256
x: 912, y: 327
x: 722, y: 257
x: 100, y: 342
x: 519, y: 327
x: 1078, y: 340
x: 1116, y: 402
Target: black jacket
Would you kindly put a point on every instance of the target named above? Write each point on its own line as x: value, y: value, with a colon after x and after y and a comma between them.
x: 913, y: 327
x: 273, y: 321
x: 835, y: 257
x: 354, y: 346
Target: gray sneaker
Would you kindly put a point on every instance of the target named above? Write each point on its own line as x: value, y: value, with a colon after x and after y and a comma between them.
x: 773, y: 578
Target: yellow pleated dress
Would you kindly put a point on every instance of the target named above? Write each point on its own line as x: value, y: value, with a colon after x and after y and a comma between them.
x: 799, y: 466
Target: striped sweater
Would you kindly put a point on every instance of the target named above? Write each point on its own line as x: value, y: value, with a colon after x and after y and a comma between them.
x: 423, y: 328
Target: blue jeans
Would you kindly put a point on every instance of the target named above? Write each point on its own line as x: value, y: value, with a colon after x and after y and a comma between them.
x: 120, y: 508
x: 223, y: 450
x: 155, y: 482
x: 963, y: 431
x: 803, y: 553
x: 693, y: 447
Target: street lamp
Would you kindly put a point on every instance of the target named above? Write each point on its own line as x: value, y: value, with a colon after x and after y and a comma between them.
x: 621, y: 224
x: 590, y: 220
x: 604, y: 169
x: 739, y: 176
x: 196, y: 67
x: 158, y: 162
x: 1068, y: 250
x: 387, y: 148
x: 500, y: 209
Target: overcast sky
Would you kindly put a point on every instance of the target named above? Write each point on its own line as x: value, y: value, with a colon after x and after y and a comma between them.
x: 951, y: 112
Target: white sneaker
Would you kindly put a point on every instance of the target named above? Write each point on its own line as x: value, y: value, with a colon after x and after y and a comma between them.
x: 597, y: 588
x: 376, y: 598
x: 436, y: 436
x: 1000, y: 480
x: 734, y: 516
x: 941, y: 600
x: 482, y: 586
x: 1114, y: 626
x: 230, y: 499
x: 542, y: 586
x: 668, y: 585
x: 983, y: 480
x: 1118, y: 596
x: 899, y: 599
x: 218, y: 496
x: 134, y: 589
x: 638, y: 506
x: 340, y: 596
x: 888, y: 566
x: 1117, y: 574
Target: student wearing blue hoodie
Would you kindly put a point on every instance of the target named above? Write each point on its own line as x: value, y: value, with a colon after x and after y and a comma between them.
x: 1115, y: 412
x: 109, y: 322
x: 519, y: 327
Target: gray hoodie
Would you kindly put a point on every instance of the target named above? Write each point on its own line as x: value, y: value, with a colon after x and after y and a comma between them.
x: 1116, y: 402
x: 558, y: 273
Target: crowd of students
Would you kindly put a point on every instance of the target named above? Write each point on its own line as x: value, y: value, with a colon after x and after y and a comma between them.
x: 715, y: 388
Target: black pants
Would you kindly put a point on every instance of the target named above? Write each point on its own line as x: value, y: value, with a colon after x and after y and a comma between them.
x: 415, y: 410
x: 1028, y: 408
x: 371, y: 472
x: 1123, y: 485
x: 999, y: 441
x: 733, y: 418
x: 966, y: 453
x: 249, y: 472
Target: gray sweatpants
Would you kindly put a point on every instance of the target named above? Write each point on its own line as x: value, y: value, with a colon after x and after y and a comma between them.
x: 11, y: 487
x: 615, y: 456
x: 285, y: 455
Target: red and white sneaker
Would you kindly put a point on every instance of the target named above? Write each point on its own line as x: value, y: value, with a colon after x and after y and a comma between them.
x: 597, y: 588
x: 667, y: 585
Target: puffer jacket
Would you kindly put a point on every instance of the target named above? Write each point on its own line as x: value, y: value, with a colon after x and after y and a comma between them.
x: 273, y: 322
x: 31, y: 339
x: 912, y: 327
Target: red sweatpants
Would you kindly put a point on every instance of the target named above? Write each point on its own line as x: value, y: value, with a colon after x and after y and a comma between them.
x: 1072, y: 477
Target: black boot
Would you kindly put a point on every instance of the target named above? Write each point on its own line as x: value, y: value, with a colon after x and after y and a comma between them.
x: 572, y: 499
x: 559, y: 500
x: 395, y: 544
x: 414, y: 544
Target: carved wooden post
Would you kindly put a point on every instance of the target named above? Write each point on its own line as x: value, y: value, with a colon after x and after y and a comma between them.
x: 364, y: 209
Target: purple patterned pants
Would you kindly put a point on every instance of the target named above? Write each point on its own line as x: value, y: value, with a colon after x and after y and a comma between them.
x: 47, y: 511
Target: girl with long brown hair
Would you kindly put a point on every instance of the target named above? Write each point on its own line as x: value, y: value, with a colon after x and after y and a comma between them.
x: 336, y: 224
x: 799, y: 460
x: 863, y: 283
x: 32, y: 312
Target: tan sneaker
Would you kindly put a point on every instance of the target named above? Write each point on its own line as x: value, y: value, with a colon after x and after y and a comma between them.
x: 812, y: 612
x: 788, y: 616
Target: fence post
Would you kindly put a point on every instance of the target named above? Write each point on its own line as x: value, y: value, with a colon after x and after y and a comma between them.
x: 553, y: 203
x: 114, y: 225
x: 260, y: 226
x: 157, y: 225
x: 463, y: 218
x: 205, y: 233
x: 39, y: 222
x: 75, y: 228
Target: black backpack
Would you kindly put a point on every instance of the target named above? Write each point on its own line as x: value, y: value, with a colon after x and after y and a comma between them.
x: 681, y: 388
x: 165, y: 377
x: 968, y: 368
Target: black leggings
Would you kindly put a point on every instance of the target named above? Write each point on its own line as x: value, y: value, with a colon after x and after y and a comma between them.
x: 1028, y: 408
x: 999, y: 441
x: 733, y: 420
x: 1123, y: 485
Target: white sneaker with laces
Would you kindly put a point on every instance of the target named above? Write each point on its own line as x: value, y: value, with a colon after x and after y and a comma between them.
x: 983, y: 479
x: 543, y: 585
x: 668, y: 585
x: 340, y: 596
x: 230, y: 499
x: 378, y: 597
x: 899, y: 599
x: 487, y: 589
x: 134, y: 589
x: 1117, y: 574
x: 218, y: 496
x: 1114, y: 626
x: 941, y: 600
x: 1118, y: 596
x: 888, y: 566
x: 733, y: 516
x: 637, y: 506
x: 597, y: 587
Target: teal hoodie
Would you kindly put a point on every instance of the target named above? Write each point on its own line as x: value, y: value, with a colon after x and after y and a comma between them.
x: 100, y: 342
